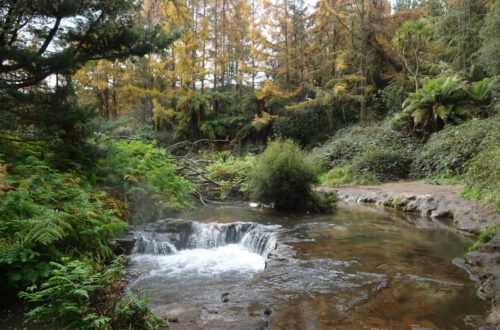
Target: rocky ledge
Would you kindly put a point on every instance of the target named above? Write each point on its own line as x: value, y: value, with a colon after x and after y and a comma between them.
x: 435, y: 201
x: 485, y: 262
x: 441, y: 201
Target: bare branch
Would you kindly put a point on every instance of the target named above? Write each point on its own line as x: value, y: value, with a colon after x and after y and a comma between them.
x: 198, y: 141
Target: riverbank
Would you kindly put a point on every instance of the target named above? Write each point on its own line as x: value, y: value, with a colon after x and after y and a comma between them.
x: 441, y: 201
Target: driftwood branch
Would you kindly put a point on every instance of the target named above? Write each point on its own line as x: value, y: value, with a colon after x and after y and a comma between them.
x: 200, y: 196
x: 121, y: 137
x: 186, y: 167
x: 198, y: 141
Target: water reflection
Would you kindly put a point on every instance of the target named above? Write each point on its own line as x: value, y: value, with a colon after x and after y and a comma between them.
x: 358, y: 268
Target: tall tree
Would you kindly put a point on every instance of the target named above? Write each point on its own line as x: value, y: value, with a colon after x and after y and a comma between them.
x: 490, y: 43
x: 411, y: 40
x: 42, y: 44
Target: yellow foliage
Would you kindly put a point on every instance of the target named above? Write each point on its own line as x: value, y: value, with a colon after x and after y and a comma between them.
x: 25, y: 184
x: 264, y: 120
x: 268, y: 92
x: 339, y: 89
x: 92, y: 214
x: 162, y: 113
x: 130, y: 178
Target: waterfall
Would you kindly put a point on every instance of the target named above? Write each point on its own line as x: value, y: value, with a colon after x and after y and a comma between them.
x: 254, y: 237
x: 153, y: 246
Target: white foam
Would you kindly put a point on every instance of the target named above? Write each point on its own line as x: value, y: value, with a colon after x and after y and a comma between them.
x: 204, y: 262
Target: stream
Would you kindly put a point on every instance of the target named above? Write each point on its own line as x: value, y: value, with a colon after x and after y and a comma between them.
x: 243, y: 267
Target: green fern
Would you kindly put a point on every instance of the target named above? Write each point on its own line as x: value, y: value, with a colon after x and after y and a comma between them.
x: 448, y: 100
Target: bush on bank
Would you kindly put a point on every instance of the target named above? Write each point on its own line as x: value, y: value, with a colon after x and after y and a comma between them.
x: 283, y: 176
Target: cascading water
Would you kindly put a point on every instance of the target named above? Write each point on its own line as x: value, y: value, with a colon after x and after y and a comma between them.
x: 253, y: 237
x: 152, y: 246
x: 176, y: 251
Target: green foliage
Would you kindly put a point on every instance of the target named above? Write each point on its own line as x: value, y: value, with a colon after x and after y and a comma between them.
x: 410, y: 40
x: 398, y: 204
x: 80, y: 296
x: 451, y: 150
x: 447, y: 100
x: 402, y: 122
x: 345, y: 174
x: 232, y: 171
x: 282, y: 176
x: 482, y: 177
x: 480, y: 94
x: 393, y: 97
x: 46, y: 214
x: 485, y: 235
x: 354, y: 141
x: 144, y: 176
x: 34, y: 51
x: 305, y: 127
x: 384, y: 165
x: 490, y: 43
x: 336, y: 176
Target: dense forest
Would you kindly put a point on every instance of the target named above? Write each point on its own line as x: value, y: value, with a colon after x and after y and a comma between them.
x: 119, y: 112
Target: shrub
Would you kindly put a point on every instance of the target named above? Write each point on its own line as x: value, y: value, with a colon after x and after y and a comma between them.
x: 482, y: 177
x: 402, y: 122
x: 393, y: 97
x: 80, y: 296
x: 230, y: 170
x: 354, y: 141
x: 451, y: 150
x: 321, y: 203
x: 384, y: 165
x: 282, y: 176
x: 305, y: 127
x: 144, y: 177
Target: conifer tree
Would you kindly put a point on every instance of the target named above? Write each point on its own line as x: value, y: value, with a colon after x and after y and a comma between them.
x: 42, y: 44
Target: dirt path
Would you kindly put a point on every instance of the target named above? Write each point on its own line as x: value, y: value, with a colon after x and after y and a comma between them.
x: 441, y: 201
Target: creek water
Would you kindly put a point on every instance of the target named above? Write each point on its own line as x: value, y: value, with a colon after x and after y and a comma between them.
x: 360, y: 267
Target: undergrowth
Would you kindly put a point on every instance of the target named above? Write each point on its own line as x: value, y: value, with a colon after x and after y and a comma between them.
x: 344, y: 175
x: 144, y: 177
x: 58, y: 223
x: 485, y: 235
x: 231, y: 171
x: 82, y: 295
x: 468, y: 153
x: 483, y: 178
x: 46, y: 214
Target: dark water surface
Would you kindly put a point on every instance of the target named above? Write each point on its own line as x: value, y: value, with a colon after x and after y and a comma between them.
x: 360, y: 267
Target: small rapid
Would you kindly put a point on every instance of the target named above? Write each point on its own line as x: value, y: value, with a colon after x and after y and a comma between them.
x: 189, y: 235
x: 230, y: 258
x: 175, y: 249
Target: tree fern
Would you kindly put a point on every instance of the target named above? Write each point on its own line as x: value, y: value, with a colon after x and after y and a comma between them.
x: 448, y: 100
